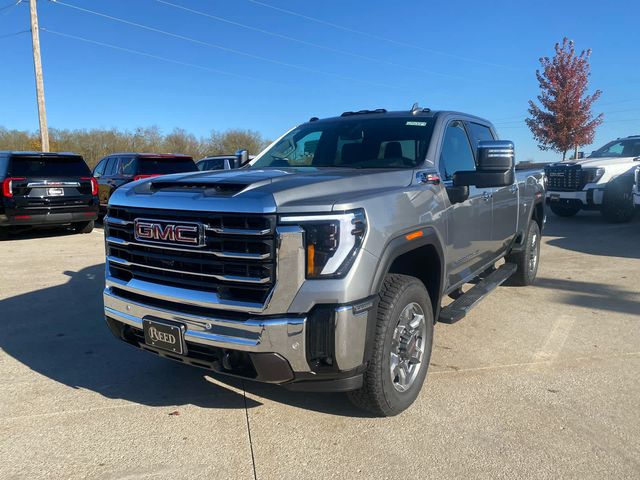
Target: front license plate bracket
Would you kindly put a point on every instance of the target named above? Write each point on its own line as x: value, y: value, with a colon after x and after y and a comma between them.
x: 164, y: 335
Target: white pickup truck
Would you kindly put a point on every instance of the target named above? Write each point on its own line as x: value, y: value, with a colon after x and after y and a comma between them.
x: 603, y: 181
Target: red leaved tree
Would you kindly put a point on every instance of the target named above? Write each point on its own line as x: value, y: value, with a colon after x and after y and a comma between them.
x: 564, y: 119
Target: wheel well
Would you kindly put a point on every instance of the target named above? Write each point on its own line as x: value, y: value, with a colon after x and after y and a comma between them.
x: 424, y: 264
x: 538, y: 214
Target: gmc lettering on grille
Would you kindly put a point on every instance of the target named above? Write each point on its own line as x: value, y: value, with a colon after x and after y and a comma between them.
x: 150, y: 231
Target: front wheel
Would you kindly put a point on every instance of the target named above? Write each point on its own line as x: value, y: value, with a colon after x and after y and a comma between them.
x: 617, y: 205
x: 401, y: 350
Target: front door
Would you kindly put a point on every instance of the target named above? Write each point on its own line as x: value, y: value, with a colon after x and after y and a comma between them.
x: 505, y: 199
x: 469, y: 223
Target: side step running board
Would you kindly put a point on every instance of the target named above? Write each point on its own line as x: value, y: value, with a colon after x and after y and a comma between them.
x: 460, y: 307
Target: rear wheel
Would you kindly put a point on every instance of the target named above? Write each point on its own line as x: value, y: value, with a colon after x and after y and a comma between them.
x: 564, y: 209
x: 527, y: 259
x: 84, y: 227
x: 617, y: 205
x: 402, y: 348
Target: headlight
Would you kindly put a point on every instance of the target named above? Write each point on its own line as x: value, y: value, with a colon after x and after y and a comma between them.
x: 332, y: 241
x: 592, y: 175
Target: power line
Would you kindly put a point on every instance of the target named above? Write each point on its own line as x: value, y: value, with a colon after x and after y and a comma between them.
x: 158, y: 57
x: 9, y: 7
x: 306, y: 42
x: 380, y: 37
x: 221, y: 47
x: 14, y: 34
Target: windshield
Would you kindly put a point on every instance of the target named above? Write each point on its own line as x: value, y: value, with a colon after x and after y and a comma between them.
x: 54, y: 166
x: 629, y: 147
x: 165, y: 165
x: 352, y: 143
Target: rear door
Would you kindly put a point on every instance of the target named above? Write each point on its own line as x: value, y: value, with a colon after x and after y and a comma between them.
x: 505, y: 199
x: 469, y: 223
x: 49, y: 181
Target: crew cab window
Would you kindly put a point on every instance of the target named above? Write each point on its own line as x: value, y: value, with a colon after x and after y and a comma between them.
x: 456, y: 154
x: 99, y: 170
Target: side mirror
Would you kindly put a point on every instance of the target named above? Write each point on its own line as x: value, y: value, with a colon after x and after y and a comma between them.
x: 242, y: 156
x: 495, y: 155
x: 496, y: 160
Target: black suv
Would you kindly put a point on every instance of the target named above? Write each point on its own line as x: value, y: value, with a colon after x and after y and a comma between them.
x: 120, y: 168
x: 46, y: 189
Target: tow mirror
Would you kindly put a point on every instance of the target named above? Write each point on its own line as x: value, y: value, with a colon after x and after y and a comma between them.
x: 495, y: 155
x: 496, y: 162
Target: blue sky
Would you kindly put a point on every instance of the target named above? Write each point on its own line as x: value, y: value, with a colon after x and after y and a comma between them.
x: 477, y: 57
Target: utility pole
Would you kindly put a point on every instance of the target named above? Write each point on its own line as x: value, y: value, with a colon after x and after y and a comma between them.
x: 37, y: 64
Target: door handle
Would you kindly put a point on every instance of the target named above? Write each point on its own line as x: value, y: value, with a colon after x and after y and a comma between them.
x: 514, y: 188
x: 486, y: 196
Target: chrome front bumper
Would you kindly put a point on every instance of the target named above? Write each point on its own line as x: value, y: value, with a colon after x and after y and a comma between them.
x: 285, y: 336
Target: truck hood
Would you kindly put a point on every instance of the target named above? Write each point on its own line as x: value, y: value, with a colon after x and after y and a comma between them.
x: 605, y: 162
x: 286, y: 190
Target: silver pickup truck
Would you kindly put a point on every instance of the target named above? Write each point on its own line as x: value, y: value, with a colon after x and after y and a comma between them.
x: 324, y: 263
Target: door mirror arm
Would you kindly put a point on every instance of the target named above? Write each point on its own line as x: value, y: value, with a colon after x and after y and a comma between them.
x: 457, y: 193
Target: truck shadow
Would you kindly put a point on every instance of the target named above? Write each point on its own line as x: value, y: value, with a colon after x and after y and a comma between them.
x: 589, y: 233
x: 40, y: 232
x: 59, y: 332
x: 594, y: 296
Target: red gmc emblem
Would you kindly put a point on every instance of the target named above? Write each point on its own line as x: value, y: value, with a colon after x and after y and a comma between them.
x: 166, y: 232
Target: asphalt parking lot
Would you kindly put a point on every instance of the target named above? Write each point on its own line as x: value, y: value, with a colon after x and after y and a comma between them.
x: 538, y: 382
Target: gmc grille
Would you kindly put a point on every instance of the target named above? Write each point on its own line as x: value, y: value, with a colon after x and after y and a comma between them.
x: 565, y: 177
x: 237, y: 260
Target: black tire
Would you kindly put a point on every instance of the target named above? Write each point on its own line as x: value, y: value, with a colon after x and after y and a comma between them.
x: 527, y: 259
x: 378, y: 394
x: 84, y: 227
x: 617, y: 205
x: 564, y: 209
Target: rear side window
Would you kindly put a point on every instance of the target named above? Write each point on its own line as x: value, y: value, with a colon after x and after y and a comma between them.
x: 165, y: 165
x: 59, y: 166
x: 128, y: 165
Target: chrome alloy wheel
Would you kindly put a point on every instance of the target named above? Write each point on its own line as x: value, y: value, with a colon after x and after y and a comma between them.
x: 407, y: 347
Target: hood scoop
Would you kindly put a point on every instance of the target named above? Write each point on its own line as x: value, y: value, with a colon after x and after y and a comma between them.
x: 196, y: 186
